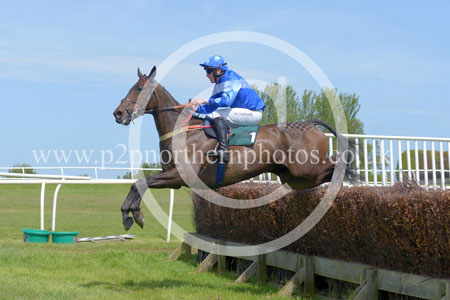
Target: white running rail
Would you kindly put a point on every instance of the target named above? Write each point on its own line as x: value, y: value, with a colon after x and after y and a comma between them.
x: 384, y: 160
x: 43, y: 179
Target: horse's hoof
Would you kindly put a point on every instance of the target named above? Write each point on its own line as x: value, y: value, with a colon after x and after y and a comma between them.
x: 139, y: 218
x: 128, y: 223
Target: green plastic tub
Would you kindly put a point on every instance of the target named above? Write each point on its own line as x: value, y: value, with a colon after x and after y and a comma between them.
x: 65, y: 237
x: 35, y: 235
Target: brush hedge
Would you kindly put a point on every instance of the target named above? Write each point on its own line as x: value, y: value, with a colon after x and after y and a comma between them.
x: 403, y: 227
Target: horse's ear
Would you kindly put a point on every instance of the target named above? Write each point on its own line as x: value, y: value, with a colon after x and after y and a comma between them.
x: 152, y: 73
x: 140, y: 74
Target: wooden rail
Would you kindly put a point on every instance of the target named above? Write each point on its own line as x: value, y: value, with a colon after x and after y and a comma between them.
x: 369, y: 278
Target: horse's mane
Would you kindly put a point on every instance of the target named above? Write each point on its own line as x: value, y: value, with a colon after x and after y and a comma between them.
x: 195, y: 120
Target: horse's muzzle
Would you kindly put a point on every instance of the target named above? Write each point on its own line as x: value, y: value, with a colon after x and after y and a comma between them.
x: 120, y: 118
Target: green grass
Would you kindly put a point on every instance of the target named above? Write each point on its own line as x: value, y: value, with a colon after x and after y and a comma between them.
x: 109, y: 270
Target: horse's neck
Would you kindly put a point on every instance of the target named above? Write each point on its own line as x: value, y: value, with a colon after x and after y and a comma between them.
x: 166, y: 120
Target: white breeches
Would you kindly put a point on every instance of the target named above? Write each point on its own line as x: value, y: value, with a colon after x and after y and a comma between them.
x: 237, y: 116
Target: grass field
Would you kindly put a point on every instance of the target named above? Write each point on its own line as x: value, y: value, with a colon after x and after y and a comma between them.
x: 109, y: 270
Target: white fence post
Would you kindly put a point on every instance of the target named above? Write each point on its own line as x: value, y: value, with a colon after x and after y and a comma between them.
x: 433, y: 164
x: 169, y: 225
x: 55, y: 199
x: 366, y: 162
x: 391, y: 161
x: 383, y: 168
x: 441, y: 158
x: 42, y: 204
x: 416, y: 156
x: 358, y: 168
x: 374, y: 160
x: 408, y: 159
x: 448, y: 159
x: 400, y: 161
x: 425, y: 164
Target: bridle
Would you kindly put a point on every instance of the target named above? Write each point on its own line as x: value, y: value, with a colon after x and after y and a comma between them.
x: 141, y: 109
x: 136, y: 111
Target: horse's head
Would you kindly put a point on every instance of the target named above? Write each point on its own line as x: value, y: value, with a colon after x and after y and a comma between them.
x: 139, y: 100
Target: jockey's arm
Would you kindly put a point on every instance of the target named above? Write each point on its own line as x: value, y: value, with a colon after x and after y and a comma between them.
x: 224, y: 95
x: 198, y: 101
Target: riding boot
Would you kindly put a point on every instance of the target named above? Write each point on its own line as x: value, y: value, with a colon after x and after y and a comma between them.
x: 221, y: 151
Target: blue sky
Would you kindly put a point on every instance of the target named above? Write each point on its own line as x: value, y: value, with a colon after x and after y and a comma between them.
x: 64, y: 66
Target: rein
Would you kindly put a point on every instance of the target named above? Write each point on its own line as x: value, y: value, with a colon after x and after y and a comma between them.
x: 180, y: 130
x: 184, y: 125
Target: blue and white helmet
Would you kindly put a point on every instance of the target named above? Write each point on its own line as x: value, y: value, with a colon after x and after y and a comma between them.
x: 215, y: 62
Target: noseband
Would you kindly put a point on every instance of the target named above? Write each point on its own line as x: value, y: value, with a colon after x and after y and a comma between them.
x: 137, y: 111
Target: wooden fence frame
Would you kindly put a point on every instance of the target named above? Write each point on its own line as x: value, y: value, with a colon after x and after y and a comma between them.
x: 369, y: 278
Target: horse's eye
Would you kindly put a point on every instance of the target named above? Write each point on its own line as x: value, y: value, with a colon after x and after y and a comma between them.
x: 139, y: 88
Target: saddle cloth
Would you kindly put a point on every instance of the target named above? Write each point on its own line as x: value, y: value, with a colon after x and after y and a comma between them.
x: 238, y: 136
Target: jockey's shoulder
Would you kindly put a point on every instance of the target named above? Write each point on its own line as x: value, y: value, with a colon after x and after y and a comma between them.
x: 229, y: 75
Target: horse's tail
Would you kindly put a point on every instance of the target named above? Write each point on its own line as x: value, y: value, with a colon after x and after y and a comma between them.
x: 346, y: 146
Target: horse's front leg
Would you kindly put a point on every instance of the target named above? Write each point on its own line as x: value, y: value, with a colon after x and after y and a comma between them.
x: 168, y: 179
x: 129, y: 204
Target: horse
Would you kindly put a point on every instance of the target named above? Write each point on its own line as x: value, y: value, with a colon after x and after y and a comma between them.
x: 147, y: 96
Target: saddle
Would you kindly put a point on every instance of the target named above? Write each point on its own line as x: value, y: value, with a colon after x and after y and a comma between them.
x: 237, y: 136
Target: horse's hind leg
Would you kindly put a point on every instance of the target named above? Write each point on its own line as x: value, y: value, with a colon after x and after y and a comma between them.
x: 300, y: 177
x: 297, y: 183
x: 326, y: 173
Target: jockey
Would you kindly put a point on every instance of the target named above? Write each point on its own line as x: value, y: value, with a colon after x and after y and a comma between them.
x: 233, y: 102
